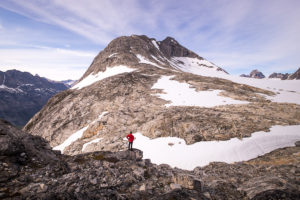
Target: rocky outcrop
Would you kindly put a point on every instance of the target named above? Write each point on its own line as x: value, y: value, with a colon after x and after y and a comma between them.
x: 22, y: 95
x: 279, y: 75
x: 286, y: 76
x: 295, y: 76
x: 254, y: 74
x: 170, y: 47
x: 29, y: 169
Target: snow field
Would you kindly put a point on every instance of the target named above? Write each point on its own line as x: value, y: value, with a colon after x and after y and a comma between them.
x: 175, y: 152
x: 193, y: 65
x: 110, y: 71
x: 180, y: 94
x: 287, y: 91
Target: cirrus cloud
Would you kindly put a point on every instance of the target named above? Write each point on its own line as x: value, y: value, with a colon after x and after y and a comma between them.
x: 237, y: 35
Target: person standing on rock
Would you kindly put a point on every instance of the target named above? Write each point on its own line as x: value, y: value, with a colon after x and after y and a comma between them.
x: 130, y: 139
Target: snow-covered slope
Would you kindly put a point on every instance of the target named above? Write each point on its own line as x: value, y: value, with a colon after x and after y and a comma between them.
x: 287, y: 91
x: 195, y: 65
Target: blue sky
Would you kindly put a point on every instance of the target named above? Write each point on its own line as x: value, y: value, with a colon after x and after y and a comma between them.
x: 58, y: 39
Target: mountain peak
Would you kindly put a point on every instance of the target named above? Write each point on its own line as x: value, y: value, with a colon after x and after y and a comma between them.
x: 170, y: 40
x: 140, y: 52
x: 254, y: 74
x: 170, y: 47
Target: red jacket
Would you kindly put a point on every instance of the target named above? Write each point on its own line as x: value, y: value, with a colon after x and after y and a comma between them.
x: 130, y: 137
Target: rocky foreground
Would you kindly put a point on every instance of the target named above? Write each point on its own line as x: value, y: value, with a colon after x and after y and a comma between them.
x: 29, y: 169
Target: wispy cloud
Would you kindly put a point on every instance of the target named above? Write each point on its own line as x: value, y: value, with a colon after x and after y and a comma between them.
x: 56, y: 64
x: 236, y: 35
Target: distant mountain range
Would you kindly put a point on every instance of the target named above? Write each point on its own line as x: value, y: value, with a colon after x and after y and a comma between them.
x: 22, y: 95
x: 257, y: 74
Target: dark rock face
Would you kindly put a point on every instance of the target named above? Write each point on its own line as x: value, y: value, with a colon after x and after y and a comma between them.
x: 256, y: 74
x: 286, y: 76
x: 29, y: 169
x: 170, y: 47
x: 22, y: 95
x: 295, y: 75
x: 279, y: 75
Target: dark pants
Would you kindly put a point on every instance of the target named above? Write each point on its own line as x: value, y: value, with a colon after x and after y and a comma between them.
x: 130, y: 146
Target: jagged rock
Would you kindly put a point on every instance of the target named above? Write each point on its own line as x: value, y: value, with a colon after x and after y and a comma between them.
x: 279, y: 75
x: 188, y: 181
x: 256, y: 74
x: 295, y: 75
x: 297, y: 144
x: 277, y: 194
x: 34, y: 188
x: 170, y: 47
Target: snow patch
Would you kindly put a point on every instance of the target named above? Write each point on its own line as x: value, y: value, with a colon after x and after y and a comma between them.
x: 75, y: 136
x: 155, y: 44
x: 188, y: 157
x: 144, y: 60
x: 11, y: 90
x: 110, y: 71
x: 102, y: 114
x: 157, y: 59
x: 180, y: 94
x: 28, y: 84
x: 111, y: 55
x: 90, y: 142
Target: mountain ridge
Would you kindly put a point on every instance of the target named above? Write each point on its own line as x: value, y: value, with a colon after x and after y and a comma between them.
x: 123, y: 50
x: 22, y: 95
